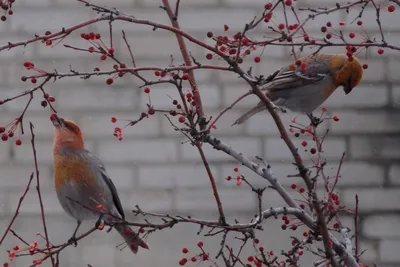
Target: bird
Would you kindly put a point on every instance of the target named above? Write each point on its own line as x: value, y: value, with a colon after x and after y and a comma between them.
x: 84, y: 189
x: 304, y: 85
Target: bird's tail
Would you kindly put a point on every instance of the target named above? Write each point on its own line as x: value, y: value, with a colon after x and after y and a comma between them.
x: 260, y: 107
x: 131, y: 237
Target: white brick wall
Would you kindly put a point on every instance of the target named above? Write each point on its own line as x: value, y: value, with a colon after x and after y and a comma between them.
x: 152, y: 169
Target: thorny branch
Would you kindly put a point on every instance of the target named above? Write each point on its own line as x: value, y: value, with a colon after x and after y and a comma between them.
x: 197, y: 128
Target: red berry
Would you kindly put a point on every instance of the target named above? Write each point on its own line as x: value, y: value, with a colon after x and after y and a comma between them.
x: 313, y: 150
x: 209, y: 34
x: 235, y: 169
x: 304, y: 143
x: 359, y: 23
x: 147, y: 90
x: 352, y: 35
x: 281, y: 26
x: 365, y: 66
x: 185, y: 76
x: 185, y: 250
x: 4, y: 137
x: 391, y: 8
x: 323, y: 29
x: 380, y: 51
x: 111, y: 51
x: 193, y: 259
x: 328, y: 24
x: 328, y: 36
x: 305, y: 234
x: 226, y: 27
x: 301, y: 190
x: 336, y: 118
x: 175, y: 102
x: 288, y: 2
x: 103, y: 57
x: 205, y: 256
x: 109, y: 81
x: 18, y: 142
x: 268, y: 6
x: 181, y: 119
x: 5, y: 264
x: 257, y: 59
x: 293, y: 186
x: 284, y: 218
x: 182, y: 261
x: 33, y: 80
x: 283, y: 226
x: 2, y: 129
x: 113, y: 119
x: 3, y: 18
x: 151, y: 111
x: 52, y: 99
x: 200, y: 244
x: 23, y: 78
x: 250, y: 258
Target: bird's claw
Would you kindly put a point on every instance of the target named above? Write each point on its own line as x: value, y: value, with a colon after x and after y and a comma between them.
x: 280, y: 108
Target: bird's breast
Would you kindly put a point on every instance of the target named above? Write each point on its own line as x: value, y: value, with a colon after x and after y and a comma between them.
x: 72, y: 167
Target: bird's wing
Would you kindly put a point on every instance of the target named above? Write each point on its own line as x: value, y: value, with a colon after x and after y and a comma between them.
x: 108, y: 181
x: 287, y: 79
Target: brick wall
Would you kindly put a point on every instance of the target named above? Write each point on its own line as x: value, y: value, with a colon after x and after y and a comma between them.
x: 153, y: 169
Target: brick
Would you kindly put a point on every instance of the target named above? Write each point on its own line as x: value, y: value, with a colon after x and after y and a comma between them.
x: 382, y: 147
x: 97, y: 98
x: 162, y: 94
x: 154, y: 200
x: 172, y: 176
x: 263, y: 123
x: 151, y: 45
x: 61, y: 18
x: 248, y: 146
x: 360, y: 147
x: 394, y: 174
x: 396, y: 96
x: 373, y: 199
x: 216, y: 19
x: 98, y: 124
x: 378, y: 226
x: 44, y: 151
x: 203, y: 200
x: 366, y: 122
x: 363, y: 96
x: 356, y: 173
x: 123, y: 177
x: 31, y: 205
x: 27, y: 3
x: 394, y: 65
x: 388, y: 250
x: 183, y: 5
x: 99, y: 255
x: 5, y: 151
x: 276, y: 149
x: 153, y: 150
x: 16, y: 176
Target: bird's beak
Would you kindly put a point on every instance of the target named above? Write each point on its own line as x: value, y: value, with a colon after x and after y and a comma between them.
x: 57, y: 121
x: 347, y: 87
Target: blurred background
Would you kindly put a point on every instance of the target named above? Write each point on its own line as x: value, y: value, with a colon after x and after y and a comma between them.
x: 152, y: 168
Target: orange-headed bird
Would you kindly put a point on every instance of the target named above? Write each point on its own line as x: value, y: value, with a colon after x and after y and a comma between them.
x: 304, y: 87
x: 83, y: 186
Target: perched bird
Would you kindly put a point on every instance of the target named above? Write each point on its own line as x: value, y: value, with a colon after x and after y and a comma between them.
x: 83, y: 186
x: 303, y: 86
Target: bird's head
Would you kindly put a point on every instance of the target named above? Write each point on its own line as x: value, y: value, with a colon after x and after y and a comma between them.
x: 67, y: 134
x: 350, y: 74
